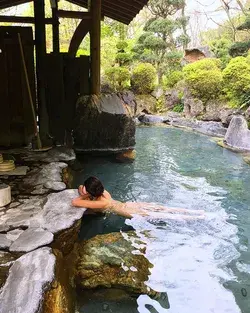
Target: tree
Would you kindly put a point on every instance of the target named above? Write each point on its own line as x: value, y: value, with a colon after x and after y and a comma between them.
x: 163, y: 36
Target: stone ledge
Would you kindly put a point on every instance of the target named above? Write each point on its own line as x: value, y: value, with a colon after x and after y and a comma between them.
x: 28, y: 277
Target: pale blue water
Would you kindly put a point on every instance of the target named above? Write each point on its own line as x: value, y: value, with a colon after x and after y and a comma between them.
x: 204, y: 266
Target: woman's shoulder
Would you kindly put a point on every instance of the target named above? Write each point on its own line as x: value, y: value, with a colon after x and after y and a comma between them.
x: 107, y: 195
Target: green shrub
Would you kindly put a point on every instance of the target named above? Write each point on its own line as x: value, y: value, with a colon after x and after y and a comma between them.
x: 179, y: 108
x: 173, y: 78
x: 143, y: 78
x: 118, y: 77
x: 204, y: 78
x: 237, y: 80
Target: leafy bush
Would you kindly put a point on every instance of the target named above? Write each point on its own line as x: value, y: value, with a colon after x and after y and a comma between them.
x: 173, y: 78
x: 237, y: 80
x: 118, y: 77
x: 143, y: 78
x: 204, y: 78
x: 239, y: 49
x: 179, y: 108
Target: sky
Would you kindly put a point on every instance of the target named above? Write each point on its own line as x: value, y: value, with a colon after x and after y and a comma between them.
x: 204, y: 15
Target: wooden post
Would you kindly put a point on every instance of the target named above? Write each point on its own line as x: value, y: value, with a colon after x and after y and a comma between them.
x: 55, y: 26
x: 95, y: 46
x: 40, y: 41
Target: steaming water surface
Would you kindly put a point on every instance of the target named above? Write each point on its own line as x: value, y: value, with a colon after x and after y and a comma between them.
x: 203, y: 265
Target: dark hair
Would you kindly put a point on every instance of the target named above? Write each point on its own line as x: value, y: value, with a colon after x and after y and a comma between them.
x: 94, y: 186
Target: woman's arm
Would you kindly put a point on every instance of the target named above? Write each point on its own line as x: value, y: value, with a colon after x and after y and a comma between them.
x: 88, y: 204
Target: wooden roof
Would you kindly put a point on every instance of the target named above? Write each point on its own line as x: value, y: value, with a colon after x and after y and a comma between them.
x: 120, y: 10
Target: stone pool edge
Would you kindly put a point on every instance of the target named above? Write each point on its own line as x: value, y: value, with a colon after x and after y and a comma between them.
x: 37, y: 232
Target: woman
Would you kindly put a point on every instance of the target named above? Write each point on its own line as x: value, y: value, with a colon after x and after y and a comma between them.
x: 93, y: 196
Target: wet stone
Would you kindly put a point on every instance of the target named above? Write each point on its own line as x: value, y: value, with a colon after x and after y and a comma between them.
x: 28, y: 277
x: 14, y: 234
x: 4, y: 242
x: 32, y: 239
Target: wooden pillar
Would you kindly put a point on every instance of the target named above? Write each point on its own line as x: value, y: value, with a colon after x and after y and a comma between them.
x: 95, y: 45
x: 55, y: 26
x: 40, y: 42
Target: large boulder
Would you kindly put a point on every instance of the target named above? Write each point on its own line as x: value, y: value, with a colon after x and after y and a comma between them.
x: 151, y: 119
x: 110, y: 261
x: 238, y: 134
x: 247, y: 114
x: 172, y: 98
x: 193, y: 107
x: 213, y: 110
x: 226, y: 116
x: 105, y: 124
x: 145, y: 104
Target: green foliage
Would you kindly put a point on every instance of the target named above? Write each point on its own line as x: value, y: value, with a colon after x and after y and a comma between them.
x: 118, y: 77
x: 237, y: 80
x: 220, y: 49
x: 204, y: 78
x: 160, y: 105
x: 123, y: 58
x: 239, y: 49
x: 163, y: 35
x: 173, y: 78
x: 245, y: 25
x: 143, y: 78
x: 179, y: 108
x: 122, y: 45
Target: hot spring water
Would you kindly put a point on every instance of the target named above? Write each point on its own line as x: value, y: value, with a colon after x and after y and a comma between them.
x: 203, y: 265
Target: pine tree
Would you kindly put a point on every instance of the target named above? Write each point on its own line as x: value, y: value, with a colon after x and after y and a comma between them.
x: 164, y: 35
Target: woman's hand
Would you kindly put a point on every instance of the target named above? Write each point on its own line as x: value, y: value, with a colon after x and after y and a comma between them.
x: 74, y: 202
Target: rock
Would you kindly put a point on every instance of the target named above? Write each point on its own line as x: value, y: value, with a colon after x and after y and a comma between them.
x: 226, y: 116
x: 213, y: 110
x: 145, y: 104
x: 247, y: 159
x: 14, y: 234
x: 196, y: 54
x: 6, y: 260
x: 56, y: 186
x: 5, y: 195
x: 151, y: 119
x: 104, y: 125
x: 215, y: 129
x: 108, y: 261
x: 66, y: 239
x: 59, y: 298
x: 47, y: 175
x: 126, y: 157
x: 28, y: 277
x: 4, y: 228
x: 58, y: 154
x: 247, y: 114
x: 57, y: 213
x: 31, y: 239
x: 193, y: 107
x: 158, y: 93
x: 4, y: 242
x: 128, y: 97
x: 172, y: 98
x: 238, y: 134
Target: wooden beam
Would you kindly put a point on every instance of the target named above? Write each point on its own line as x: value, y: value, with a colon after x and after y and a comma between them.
x: 55, y: 26
x: 21, y: 19
x: 40, y: 41
x: 95, y: 45
x: 81, y: 31
x: 74, y: 14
